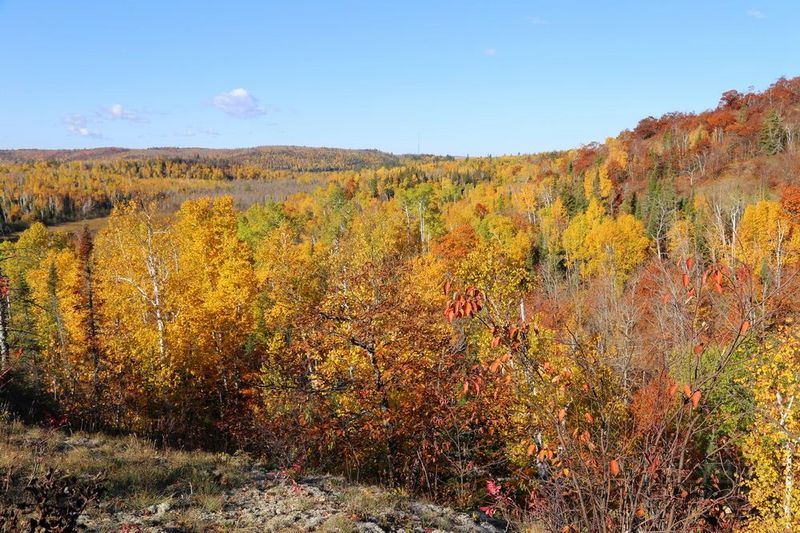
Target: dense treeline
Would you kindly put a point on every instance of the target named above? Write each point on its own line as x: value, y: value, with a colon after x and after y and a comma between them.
x: 600, y: 339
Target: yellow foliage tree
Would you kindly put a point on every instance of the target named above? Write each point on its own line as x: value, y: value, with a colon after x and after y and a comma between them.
x: 57, y: 317
x: 767, y: 237
x: 595, y: 243
x: 773, y: 449
x: 213, y: 289
x: 135, y: 264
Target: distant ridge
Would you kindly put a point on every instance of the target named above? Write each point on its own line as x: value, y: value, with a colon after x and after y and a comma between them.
x: 269, y: 157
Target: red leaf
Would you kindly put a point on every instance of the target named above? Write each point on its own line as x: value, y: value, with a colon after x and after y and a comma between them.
x: 492, y: 488
x: 686, y: 280
x: 690, y: 263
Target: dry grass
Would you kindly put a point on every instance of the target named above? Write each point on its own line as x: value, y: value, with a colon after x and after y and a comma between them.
x: 137, y: 474
x: 338, y: 523
x: 365, y: 502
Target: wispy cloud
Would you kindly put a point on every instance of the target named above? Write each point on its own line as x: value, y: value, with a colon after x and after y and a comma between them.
x: 197, y: 132
x: 238, y: 103
x: 77, y: 124
x: 538, y: 21
x: 756, y: 14
x: 489, y: 52
x: 84, y: 124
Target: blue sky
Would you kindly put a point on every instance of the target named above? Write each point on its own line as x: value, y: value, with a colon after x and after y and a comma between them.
x: 449, y: 77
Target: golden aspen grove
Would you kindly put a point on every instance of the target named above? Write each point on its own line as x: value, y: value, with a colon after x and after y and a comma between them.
x: 597, y: 339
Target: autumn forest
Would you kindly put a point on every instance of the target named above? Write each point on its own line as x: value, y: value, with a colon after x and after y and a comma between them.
x: 598, y: 339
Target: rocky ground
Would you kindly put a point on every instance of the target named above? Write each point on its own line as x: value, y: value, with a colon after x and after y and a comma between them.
x: 323, y: 503
x: 148, y: 489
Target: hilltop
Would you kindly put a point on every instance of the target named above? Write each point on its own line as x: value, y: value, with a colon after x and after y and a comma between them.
x: 585, y: 339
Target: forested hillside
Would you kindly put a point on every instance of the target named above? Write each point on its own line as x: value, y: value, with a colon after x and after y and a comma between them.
x: 599, y: 339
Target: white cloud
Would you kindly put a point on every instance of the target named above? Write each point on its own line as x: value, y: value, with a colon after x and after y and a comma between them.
x: 78, y: 125
x: 118, y: 112
x: 238, y: 103
x: 489, y: 52
x: 756, y: 14
x: 538, y: 21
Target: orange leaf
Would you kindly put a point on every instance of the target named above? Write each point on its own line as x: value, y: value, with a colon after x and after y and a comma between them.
x: 686, y: 280
x: 690, y: 263
x: 698, y: 348
x: 542, y: 455
x: 562, y: 413
x: 672, y: 390
x: 466, y: 387
x: 744, y: 327
x: 614, y: 467
x: 531, y: 449
x: 686, y: 390
x: 654, y: 465
x: 495, y: 342
x: 588, y: 416
x: 446, y: 287
x: 695, y: 399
